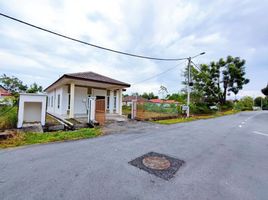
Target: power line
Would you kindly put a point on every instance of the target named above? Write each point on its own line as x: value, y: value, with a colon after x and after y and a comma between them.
x: 163, y: 72
x: 90, y: 44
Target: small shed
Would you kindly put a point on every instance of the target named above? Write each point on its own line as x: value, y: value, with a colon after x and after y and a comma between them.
x: 32, y: 108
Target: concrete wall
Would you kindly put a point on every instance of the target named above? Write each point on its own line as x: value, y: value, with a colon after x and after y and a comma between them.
x: 64, y: 100
x: 60, y: 93
x: 32, y: 108
x: 80, y: 101
x: 32, y: 111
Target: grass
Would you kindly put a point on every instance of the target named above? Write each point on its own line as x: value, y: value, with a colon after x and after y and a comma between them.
x: 20, y: 139
x: 126, y: 110
x: 51, y: 121
x: 195, y: 117
x: 8, y: 117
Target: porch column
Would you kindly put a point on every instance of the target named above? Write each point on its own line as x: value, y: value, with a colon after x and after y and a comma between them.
x: 72, y: 88
x: 117, y: 102
x: 111, y: 106
x: 120, y: 101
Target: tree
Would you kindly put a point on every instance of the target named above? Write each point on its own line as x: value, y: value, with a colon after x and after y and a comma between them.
x: 13, y: 84
x: 218, y: 79
x: 34, y: 88
x: 265, y: 90
x: 180, y: 97
x: 258, y: 101
x: 246, y: 103
x: 149, y: 95
x: 163, y: 91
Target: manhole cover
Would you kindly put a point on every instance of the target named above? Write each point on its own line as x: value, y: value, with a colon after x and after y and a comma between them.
x: 160, y: 165
x: 155, y: 162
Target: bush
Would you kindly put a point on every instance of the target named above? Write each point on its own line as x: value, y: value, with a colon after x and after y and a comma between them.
x: 201, y: 108
x: 8, y: 117
x: 246, y: 103
x: 229, y: 105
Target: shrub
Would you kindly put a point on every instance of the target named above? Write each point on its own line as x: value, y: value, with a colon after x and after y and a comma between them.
x: 229, y: 105
x: 246, y: 103
x: 8, y: 117
x: 201, y: 108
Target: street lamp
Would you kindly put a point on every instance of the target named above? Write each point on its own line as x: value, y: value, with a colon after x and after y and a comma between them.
x: 189, y: 81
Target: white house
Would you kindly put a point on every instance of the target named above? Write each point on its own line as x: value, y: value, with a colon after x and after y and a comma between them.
x: 68, y: 96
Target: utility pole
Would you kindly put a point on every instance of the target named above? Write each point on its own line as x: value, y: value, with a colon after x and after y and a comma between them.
x: 188, y: 87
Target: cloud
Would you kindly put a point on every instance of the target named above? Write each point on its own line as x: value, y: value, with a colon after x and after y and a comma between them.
x: 153, y: 28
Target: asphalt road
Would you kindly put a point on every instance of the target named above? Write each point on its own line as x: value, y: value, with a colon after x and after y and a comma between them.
x: 225, y: 158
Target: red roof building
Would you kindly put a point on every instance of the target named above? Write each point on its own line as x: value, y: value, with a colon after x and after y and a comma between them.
x: 162, y: 101
x: 4, y: 92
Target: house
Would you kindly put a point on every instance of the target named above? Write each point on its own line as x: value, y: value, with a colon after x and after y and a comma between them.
x: 127, y: 101
x: 68, y: 96
x: 4, y: 92
x: 159, y: 101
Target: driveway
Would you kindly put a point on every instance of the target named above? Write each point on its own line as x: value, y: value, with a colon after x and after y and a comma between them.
x: 225, y: 158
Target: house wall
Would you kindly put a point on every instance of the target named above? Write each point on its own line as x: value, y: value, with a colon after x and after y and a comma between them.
x: 32, y: 111
x: 80, y: 100
x: 64, y: 100
x: 58, y: 101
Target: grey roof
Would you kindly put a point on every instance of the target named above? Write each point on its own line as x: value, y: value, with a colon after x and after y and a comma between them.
x: 91, y: 76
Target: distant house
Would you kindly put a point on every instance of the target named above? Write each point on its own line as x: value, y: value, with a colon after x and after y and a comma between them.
x: 68, y: 96
x: 4, y: 92
x: 128, y: 100
x: 161, y: 101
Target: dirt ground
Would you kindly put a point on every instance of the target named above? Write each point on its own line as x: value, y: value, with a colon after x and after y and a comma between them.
x: 133, y: 126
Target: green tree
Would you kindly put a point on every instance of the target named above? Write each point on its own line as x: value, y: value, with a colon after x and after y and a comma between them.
x: 258, y: 101
x: 180, y: 97
x: 13, y: 84
x: 245, y: 103
x: 218, y: 79
x: 149, y: 95
x: 34, y: 88
x: 265, y: 90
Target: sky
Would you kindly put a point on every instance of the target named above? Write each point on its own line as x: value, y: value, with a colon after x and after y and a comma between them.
x: 158, y: 28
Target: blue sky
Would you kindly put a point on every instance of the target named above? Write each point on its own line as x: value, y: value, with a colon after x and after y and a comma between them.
x: 166, y: 28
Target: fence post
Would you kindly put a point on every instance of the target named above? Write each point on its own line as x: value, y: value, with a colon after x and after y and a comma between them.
x: 133, y: 109
x: 91, y: 108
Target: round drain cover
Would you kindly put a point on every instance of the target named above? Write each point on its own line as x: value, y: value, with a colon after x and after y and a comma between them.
x: 156, y: 162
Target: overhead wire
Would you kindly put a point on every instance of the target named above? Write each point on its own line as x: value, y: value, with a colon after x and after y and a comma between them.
x: 159, y: 74
x: 87, y: 43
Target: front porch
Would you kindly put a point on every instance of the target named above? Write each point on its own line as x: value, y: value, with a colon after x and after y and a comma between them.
x: 69, y: 96
x: 78, y: 99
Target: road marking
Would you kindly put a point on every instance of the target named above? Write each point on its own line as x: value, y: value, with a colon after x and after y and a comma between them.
x: 260, y: 133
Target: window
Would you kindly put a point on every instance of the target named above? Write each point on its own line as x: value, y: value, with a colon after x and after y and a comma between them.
x: 48, y: 101
x: 69, y: 100
x: 108, y: 102
x: 58, y: 100
x: 114, y: 102
x: 115, y: 99
x: 51, y: 101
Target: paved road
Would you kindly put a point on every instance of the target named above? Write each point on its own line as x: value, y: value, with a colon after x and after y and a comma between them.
x: 226, y: 158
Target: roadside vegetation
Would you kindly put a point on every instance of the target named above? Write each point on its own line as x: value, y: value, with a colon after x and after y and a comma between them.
x: 20, y: 139
x: 214, y: 87
x: 8, y: 117
x: 195, y: 117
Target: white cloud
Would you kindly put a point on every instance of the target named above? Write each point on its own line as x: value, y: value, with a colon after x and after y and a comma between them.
x: 154, y: 28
